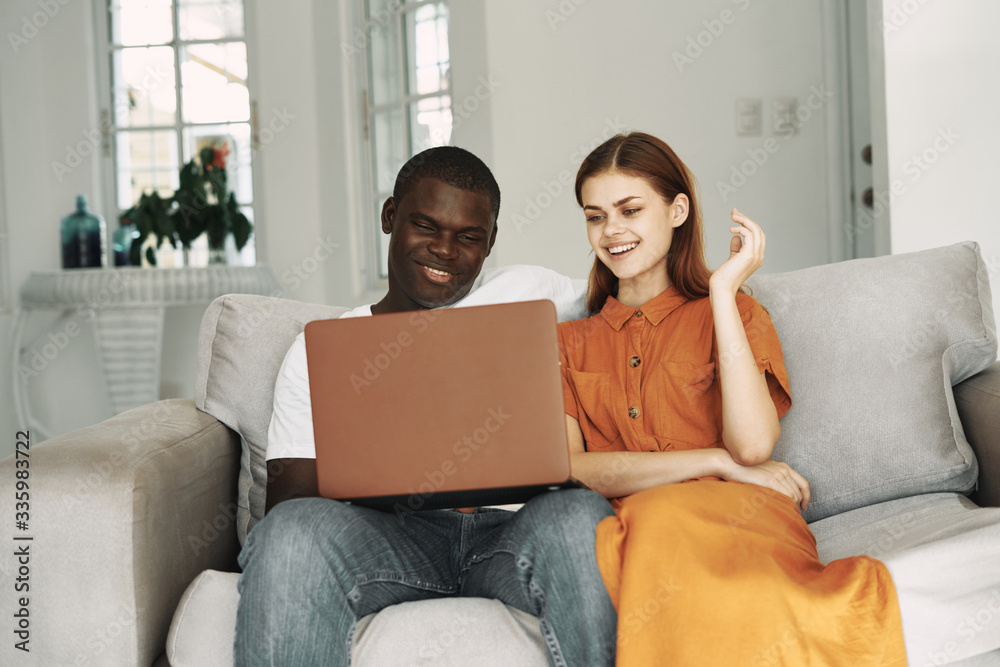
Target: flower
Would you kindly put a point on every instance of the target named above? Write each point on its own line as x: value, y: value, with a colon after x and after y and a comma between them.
x: 219, y: 156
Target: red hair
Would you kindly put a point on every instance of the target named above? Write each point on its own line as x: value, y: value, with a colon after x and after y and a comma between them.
x: 644, y: 156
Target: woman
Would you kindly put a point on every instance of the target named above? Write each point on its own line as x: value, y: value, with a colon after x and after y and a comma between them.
x: 679, y: 377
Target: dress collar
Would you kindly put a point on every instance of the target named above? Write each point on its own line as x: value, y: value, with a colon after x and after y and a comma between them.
x: 655, y: 310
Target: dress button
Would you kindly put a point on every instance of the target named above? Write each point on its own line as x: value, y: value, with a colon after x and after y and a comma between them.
x: 634, y: 361
x: 638, y: 313
x: 633, y: 412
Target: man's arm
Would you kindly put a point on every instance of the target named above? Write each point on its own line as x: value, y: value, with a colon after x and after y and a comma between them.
x: 290, y: 478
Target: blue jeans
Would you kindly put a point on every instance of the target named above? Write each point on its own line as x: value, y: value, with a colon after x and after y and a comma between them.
x: 313, y: 567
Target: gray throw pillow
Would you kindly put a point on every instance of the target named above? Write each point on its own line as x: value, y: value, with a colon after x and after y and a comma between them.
x: 242, y: 342
x: 872, y: 348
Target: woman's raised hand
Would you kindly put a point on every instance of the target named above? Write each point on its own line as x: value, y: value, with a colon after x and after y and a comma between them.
x: 746, y: 254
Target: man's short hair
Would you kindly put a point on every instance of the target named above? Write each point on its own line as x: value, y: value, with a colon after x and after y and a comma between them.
x: 455, y: 166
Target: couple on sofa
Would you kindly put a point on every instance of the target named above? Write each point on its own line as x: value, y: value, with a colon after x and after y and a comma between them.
x: 674, y: 388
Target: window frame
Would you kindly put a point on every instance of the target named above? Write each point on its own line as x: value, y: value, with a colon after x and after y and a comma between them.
x: 108, y: 172
x: 372, y: 196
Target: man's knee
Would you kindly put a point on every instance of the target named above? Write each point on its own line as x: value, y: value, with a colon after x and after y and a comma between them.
x: 575, y: 511
x: 290, y: 527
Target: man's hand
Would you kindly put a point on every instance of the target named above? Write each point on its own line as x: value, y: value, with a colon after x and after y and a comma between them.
x: 290, y: 478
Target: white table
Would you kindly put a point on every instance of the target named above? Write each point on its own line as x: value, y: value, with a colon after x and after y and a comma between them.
x: 125, y: 307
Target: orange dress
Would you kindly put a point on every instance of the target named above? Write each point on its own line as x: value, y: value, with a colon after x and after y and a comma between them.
x: 710, y: 572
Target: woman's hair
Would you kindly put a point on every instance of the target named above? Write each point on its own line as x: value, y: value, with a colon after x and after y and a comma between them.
x: 644, y: 156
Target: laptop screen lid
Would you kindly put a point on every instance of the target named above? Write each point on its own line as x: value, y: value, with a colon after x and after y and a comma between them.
x: 438, y: 408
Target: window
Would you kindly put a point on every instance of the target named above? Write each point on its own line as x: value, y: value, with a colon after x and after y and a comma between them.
x: 177, y: 82
x: 406, y: 99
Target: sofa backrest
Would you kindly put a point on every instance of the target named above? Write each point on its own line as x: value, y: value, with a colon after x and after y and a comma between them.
x: 241, y: 345
x: 872, y: 348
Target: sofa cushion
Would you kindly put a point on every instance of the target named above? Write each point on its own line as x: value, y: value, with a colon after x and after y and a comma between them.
x: 449, y: 631
x: 241, y: 345
x: 942, y: 551
x: 203, y: 629
x: 872, y: 348
x: 444, y: 632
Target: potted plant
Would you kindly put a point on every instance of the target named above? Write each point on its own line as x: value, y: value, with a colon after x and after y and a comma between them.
x: 202, y: 204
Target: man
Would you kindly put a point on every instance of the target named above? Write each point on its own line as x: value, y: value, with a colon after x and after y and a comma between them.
x: 313, y: 567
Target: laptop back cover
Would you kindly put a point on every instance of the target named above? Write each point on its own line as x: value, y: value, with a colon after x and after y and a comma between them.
x: 425, y: 406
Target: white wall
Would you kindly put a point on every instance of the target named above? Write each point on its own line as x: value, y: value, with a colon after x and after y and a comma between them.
x: 570, y: 78
x: 942, y: 91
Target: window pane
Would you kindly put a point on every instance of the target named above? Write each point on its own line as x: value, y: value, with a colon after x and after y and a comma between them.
x: 247, y: 256
x: 390, y: 149
x: 138, y: 22
x: 213, y: 79
x: 208, y: 19
x: 144, y: 161
x: 144, y: 92
x: 146, y: 181
x: 427, y: 49
x: 147, y: 150
x: 430, y: 123
x: 386, y: 78
x: 234, y: 140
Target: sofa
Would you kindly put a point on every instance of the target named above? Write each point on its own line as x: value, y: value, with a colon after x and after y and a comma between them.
x: 137, y: 521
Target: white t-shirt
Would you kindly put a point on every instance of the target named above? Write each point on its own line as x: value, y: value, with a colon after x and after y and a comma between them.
x: 290, y: 434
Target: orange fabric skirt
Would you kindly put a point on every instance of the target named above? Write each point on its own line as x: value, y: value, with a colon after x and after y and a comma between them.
x: 721, y: 573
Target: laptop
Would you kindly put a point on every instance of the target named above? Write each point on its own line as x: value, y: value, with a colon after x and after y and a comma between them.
x: 443, y: 408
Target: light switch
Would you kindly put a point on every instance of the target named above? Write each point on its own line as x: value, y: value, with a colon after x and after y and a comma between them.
x: 748, y: 122
x: 783, y: 115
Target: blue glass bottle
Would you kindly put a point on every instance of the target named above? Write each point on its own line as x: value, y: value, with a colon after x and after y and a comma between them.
x: 83, y: 238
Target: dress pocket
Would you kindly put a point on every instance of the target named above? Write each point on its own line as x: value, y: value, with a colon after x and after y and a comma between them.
x: 688, y: 405
x: 593, y: 392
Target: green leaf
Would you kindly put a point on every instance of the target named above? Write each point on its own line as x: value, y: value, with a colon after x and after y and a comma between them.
x: 151, y: 256
x: 135, y: 252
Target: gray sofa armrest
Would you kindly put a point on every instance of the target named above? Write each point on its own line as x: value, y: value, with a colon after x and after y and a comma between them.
x: 123, y: 516
x: 978, y: 402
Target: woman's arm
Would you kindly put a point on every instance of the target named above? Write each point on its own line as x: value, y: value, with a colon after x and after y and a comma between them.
x: 617, y: 474
x: 750, y: 425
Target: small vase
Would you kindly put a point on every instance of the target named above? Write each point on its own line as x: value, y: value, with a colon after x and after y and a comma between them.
x: 83, y: 238
x: 121, y: 242
x: 216, y: 256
